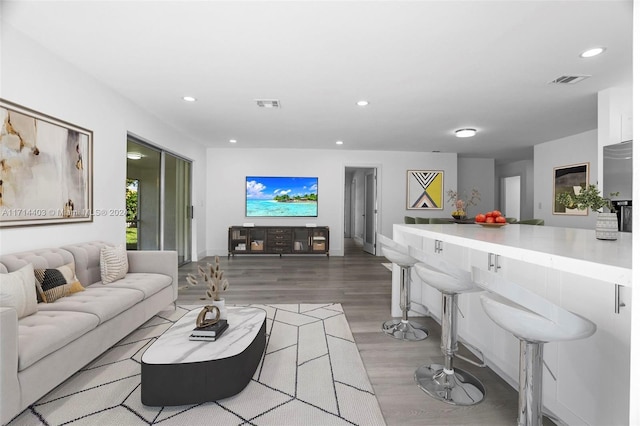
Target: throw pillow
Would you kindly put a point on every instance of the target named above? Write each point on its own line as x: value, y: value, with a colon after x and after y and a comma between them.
x: 54, y: 283
x: 18, y: 291
x: 113, y: 263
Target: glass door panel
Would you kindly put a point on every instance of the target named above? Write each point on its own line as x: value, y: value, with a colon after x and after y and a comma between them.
x: 300, y: 240
x: 177, y: 207
x: 143, y: 167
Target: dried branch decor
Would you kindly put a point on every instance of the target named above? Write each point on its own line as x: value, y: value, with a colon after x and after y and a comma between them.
x: 213, y: 278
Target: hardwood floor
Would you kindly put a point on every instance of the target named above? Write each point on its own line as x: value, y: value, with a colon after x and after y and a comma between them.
x: 362, y: 285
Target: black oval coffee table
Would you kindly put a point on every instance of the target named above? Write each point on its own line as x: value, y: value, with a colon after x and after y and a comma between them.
x: 178, y: 371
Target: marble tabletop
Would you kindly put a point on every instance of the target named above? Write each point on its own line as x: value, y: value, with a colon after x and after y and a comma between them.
x: 174, y: 346
x: 569, y: 249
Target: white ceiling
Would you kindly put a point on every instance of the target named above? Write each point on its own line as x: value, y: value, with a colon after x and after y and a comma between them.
x: 427, y: 67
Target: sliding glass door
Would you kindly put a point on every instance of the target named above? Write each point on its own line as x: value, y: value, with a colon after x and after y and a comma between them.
x: 158, y: 200
x: 177, y: 206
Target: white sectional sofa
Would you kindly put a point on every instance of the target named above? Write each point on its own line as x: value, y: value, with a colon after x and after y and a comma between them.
x: 40, y: 351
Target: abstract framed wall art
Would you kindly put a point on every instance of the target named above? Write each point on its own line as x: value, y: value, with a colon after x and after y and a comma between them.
x: 425, y: 189
x: 45, y: 169
x: 572, y: 179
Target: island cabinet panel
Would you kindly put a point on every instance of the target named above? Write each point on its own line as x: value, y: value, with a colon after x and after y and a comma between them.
x: 278, y: 240
x: 582, y: 388
x: 587, y: 380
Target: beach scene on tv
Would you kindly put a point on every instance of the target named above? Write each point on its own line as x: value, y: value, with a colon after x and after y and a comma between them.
x: 282, y: 196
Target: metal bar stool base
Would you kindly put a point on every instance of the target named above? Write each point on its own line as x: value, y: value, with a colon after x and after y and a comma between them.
x: 405, y: 330
x: 460, y: 388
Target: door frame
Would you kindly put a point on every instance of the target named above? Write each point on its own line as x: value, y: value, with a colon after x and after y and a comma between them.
x: 378, y: 201
x: 190, y: 255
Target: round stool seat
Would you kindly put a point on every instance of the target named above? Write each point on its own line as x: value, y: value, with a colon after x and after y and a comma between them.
x: 528, y: 325
x: 443, y: 281
x: 397, y: 257
x: 395, y: 252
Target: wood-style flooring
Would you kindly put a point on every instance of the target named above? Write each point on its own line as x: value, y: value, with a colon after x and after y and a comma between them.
x: 362, y: 285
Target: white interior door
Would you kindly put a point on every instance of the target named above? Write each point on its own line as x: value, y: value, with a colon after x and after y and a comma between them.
x: 511, y: 196
x: 370, y: 212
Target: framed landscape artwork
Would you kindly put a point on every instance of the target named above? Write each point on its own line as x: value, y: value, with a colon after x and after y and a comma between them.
x: 425, y: 189
x: 45, y: 169
x: 570, y: 179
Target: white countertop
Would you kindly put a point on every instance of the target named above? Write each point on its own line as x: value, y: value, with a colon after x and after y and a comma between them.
x: 174, y: 346
x: 572, y: 250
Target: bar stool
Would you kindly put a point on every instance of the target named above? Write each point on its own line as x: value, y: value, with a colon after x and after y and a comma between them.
x: 534, y: 320
x: 402, y: 329
x: 445, y: 383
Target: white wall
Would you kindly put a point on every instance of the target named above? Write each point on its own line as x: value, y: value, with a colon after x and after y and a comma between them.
x: 477, y: 173
x: 32, y: 77
x: 227, y: 169
x: 580, y: 148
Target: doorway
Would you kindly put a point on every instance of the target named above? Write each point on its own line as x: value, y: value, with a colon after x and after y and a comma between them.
x: 361, y: 207
x: 159, y: 210
x: 511, y: 196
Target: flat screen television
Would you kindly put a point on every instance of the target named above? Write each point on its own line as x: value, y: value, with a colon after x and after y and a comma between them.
x: 272, y: 196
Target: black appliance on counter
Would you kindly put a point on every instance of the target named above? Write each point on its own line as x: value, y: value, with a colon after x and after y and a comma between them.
x: 624, y: 212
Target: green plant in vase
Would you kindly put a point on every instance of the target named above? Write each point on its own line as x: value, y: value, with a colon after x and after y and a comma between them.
x: 587, y: 198
x: 590, y: 198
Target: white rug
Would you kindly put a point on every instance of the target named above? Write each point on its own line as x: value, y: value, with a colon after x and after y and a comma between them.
x: 311, y: 374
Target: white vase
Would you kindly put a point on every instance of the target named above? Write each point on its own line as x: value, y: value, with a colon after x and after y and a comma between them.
x: 607, y: 226
x: 220, y: 305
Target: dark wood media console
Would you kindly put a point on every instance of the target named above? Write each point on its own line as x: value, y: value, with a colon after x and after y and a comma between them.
x: 278, y: 240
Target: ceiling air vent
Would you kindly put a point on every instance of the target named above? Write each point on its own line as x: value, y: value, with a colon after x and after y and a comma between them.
x: 268, y: 103
x: 570, y: 79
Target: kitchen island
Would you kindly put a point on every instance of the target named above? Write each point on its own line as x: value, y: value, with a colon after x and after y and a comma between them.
x: 571, y: 268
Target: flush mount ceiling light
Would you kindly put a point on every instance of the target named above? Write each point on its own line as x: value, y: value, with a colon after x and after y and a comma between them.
x: 465, y: 133
x: 232, y: 141
x: 339, y: 142
x: 592, y: 52
x: 189, y: 98
x: 134, y: 155
x: 362, y: 103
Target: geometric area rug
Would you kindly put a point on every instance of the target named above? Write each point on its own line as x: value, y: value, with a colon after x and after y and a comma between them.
x: 310, y: 374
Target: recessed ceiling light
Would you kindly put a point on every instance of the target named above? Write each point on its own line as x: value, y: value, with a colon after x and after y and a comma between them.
x: 232, y: 141
x: 189, y: 98
x: 339, y: 142
x: 592, y: 52
x: 362, y: 103
x: 465, y: 133
x: 134, y: 155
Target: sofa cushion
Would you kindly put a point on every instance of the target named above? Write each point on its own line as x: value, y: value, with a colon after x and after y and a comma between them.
x: 55, y: 283
x: 87, y: 258
x: 147, y: 283
x: 113, y: 263
x: 18, y: 291
x: 47, y: 331
x: 102, y: 301
x: 42, y: 258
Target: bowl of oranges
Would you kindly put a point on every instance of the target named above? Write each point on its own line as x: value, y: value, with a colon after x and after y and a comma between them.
x: 492, y: 219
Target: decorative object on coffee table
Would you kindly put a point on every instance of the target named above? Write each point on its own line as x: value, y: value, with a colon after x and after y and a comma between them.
x: 202, y: 321
x: 214, y: 279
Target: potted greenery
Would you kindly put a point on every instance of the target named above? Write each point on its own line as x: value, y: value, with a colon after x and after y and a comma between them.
x: 590, y: 198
